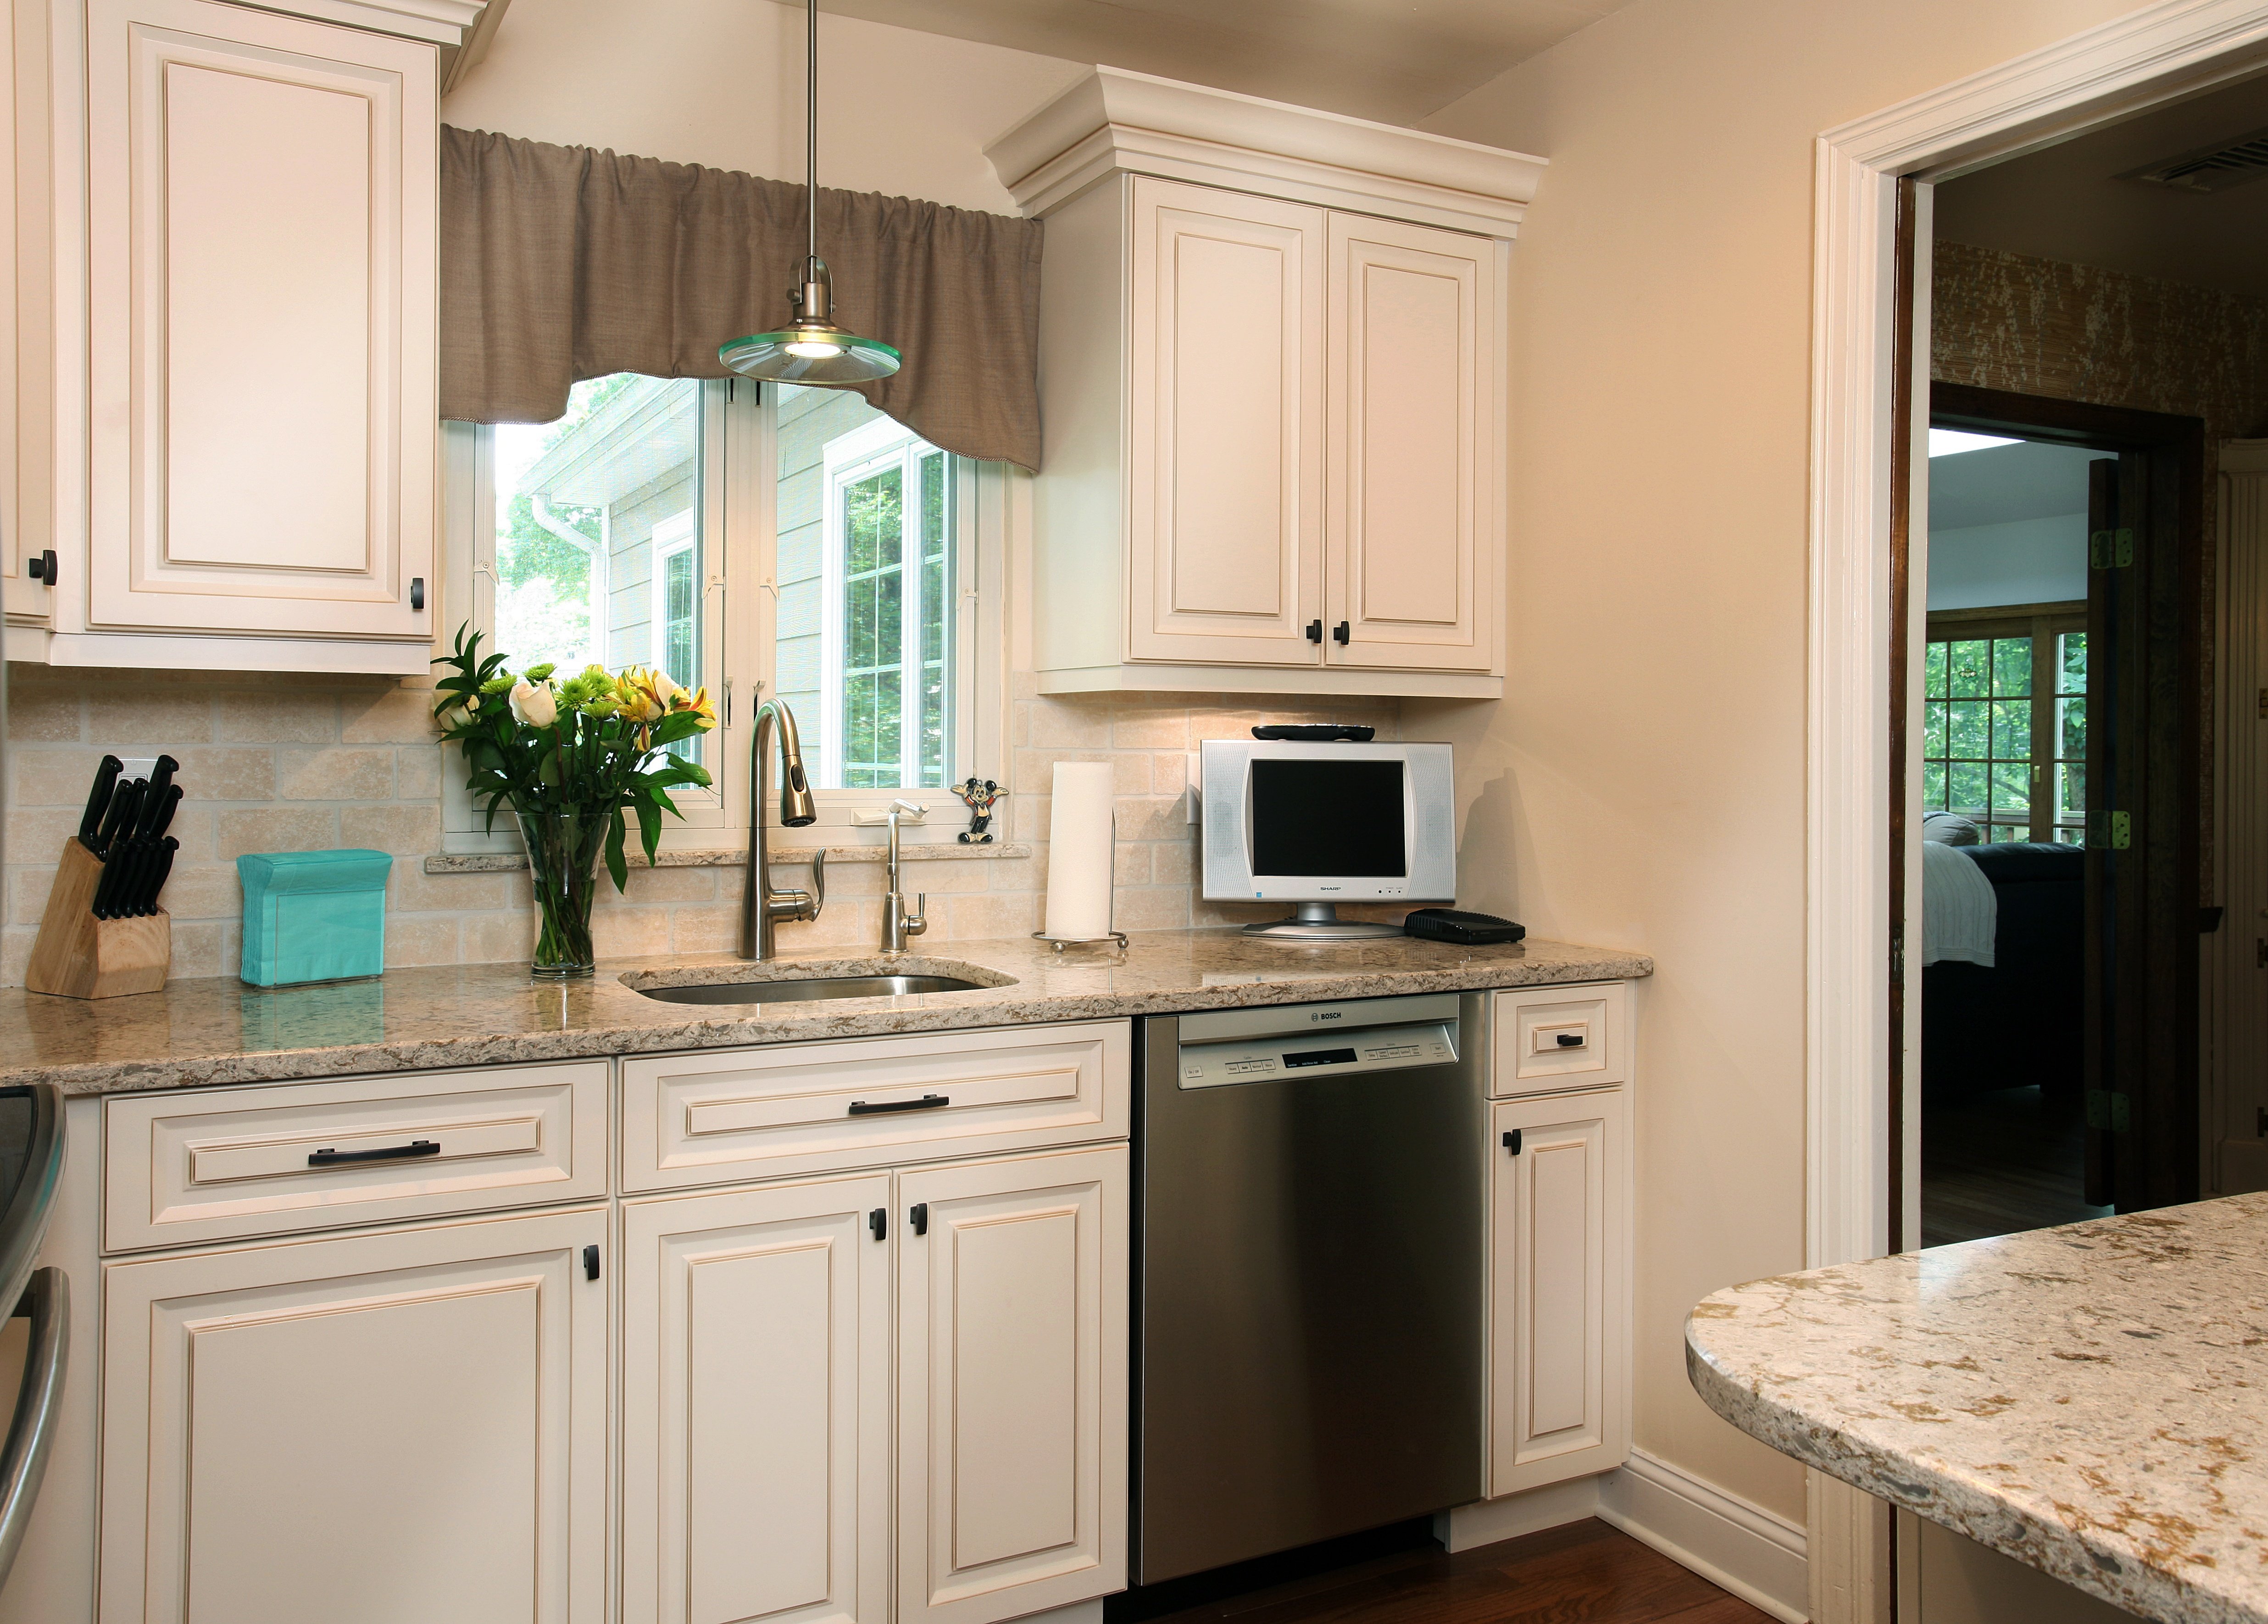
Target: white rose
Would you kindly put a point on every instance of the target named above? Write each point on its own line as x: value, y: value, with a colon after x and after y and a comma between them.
x: 535, y: 705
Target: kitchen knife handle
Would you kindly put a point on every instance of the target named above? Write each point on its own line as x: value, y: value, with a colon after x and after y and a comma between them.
x: 158, y: 809
x: 124, y: 806
x: 106, y: 888
x: 97, y: 800
x: 161, y: 865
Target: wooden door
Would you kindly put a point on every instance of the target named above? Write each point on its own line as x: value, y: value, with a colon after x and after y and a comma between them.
x: 1012, y: 1385
x: 1559, y: 1289
x: 22, y: 324
x: 261, y: 262
x: 364, y: 1429
x: 1225, y: 479
x: 757, y: 1406
x: 1414, y: 521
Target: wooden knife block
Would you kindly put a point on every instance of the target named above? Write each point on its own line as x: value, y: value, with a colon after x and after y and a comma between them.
x: 78, y: 955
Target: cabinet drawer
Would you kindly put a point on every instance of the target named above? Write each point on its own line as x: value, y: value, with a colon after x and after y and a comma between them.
x: 220, y: 1163
x: 717, y: 1117
x: 1553, y: 1038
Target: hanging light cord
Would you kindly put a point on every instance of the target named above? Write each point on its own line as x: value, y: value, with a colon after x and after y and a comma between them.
x: 811, y: 127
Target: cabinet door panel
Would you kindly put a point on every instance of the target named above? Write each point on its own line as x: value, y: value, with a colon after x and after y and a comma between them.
x: 1225, y: 482
x: 1012, y: 1386
x: 1412, y: 505
x: 404, y: 1425
x: 755, y: 1402
x: 262, y: 197
x: 1559, y: 1310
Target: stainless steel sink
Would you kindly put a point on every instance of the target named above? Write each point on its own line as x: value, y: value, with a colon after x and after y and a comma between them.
x: 798, y: 989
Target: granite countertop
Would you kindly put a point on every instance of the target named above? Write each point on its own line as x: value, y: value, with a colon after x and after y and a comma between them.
x: 219, y: 1030
x: 2087, y: 1400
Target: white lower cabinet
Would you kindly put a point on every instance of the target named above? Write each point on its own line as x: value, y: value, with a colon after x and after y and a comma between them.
x: 1011, y: 1384
x: 756, y: 1404
x: 364, y: 1429
x: 1559, y: 1291
x: 758, y: 1365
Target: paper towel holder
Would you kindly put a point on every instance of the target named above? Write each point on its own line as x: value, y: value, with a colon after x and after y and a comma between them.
x: 1114, y: 934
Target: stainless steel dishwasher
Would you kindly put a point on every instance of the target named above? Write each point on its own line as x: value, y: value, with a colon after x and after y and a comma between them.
x: 1308, y: 1284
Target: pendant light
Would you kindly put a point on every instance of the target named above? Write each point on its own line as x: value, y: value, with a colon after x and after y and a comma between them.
x: 812, y: 350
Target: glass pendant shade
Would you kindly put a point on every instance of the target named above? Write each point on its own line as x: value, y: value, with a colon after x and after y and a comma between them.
x: 811, y: 350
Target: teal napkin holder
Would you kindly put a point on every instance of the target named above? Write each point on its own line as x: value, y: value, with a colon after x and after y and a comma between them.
x: 312, y: 916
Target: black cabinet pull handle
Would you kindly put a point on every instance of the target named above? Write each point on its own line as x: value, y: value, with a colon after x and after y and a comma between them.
x: 1314, y: 632
x: 1512, y: 1141
x: 43, y: 567
x: 1339, y: 633
x: 590, y: 1263
x: 417, y: 592
x: 928, y: 1102
x: 388, y: 1153
x: 918, y: 1215
x: 1571, y: 1040
x: 878, y: 1222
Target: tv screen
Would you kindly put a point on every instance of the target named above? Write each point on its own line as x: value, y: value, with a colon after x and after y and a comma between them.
x: 1328, y: 818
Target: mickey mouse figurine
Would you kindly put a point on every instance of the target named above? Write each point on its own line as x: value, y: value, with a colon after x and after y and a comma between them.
x: 979, y: 796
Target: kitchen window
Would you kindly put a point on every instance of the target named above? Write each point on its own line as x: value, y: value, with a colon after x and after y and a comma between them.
x: 754, y: 540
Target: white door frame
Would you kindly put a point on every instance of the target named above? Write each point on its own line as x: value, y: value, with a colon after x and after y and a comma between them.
x: 2160, y: 53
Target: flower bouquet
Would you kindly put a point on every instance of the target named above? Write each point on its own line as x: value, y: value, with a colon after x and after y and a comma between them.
x: 571, y: 759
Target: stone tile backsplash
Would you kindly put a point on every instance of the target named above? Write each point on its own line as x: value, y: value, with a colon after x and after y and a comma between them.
x: 274, y: 764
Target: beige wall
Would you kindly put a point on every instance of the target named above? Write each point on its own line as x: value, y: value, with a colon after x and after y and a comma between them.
x: 1642, y: 784
x: 720, y: 82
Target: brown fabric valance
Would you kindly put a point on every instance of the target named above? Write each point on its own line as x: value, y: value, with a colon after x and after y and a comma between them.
x: 560, y: 263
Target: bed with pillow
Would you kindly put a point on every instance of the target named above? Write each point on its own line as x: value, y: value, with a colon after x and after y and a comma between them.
x: 2002, y: 987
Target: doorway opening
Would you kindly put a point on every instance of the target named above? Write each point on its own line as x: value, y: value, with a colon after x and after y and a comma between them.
x: 2003, y: 750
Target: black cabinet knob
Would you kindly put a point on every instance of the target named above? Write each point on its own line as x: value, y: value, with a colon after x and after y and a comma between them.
x: 1512, y: 1141
x: 1314, y: 632
x: 1339, y: 633
x: 42, y: 568
x: 417, y: 592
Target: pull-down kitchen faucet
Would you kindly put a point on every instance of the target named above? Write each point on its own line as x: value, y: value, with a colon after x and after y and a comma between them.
x: 761, y: 908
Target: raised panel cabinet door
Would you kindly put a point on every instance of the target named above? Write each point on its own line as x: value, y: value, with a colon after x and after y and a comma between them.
x: 1413, y: 557
x: 1225, y: 471
x: 757, y: 1406
x: 262, y: 196
x: 365, y: 1429
x: 1012, y: 1385
x: 1559, y: 1289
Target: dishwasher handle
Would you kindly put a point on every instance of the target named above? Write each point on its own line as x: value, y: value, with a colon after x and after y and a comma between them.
x: 39, y: 1396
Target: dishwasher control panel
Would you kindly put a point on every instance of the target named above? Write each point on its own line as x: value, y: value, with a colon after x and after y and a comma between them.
x: 1222, y: 1061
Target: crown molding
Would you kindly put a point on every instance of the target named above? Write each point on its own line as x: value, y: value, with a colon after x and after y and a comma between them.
x: 461, y: 28
x: 1115, y: 122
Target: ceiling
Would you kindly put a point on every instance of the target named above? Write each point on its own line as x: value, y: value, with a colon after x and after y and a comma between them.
x: 2004, y: 483
x: 2066, y: 202
x: 1393, y: 61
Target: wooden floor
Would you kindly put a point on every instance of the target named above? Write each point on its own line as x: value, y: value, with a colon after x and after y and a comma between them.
x: 1998, y: 1164
x: 1584, y: 1573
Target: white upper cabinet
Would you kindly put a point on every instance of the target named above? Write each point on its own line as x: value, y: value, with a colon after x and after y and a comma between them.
x: 1273, y: 369
x: 261, y: 198
x: 1227, y: 426
x: 1412, y: 507
x: 225, y: 259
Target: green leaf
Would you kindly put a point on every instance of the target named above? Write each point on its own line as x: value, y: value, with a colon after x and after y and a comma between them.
x: 617, y: 865
x: 649, y: 817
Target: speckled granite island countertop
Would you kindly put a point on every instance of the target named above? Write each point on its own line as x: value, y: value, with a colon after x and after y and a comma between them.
x: 219, y: 1030
x: 2091, y: 1400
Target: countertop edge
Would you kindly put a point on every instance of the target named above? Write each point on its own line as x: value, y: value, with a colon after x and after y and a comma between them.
x: 113, y: 1076
x: 2105, y: 1567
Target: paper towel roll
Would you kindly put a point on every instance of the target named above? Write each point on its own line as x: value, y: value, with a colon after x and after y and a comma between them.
x: 1079, y: 842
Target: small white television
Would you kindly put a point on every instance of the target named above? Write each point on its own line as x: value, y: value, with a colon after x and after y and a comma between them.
x: 1317, y: 824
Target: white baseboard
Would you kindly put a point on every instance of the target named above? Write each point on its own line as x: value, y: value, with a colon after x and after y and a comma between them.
x: 1461, y: 1528
x: 1743, y: 1549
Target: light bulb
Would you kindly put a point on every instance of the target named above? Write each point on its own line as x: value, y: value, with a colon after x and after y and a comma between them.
x: 814, y: 350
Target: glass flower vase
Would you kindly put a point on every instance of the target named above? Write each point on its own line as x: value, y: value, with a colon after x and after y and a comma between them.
x: 562, y: 861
